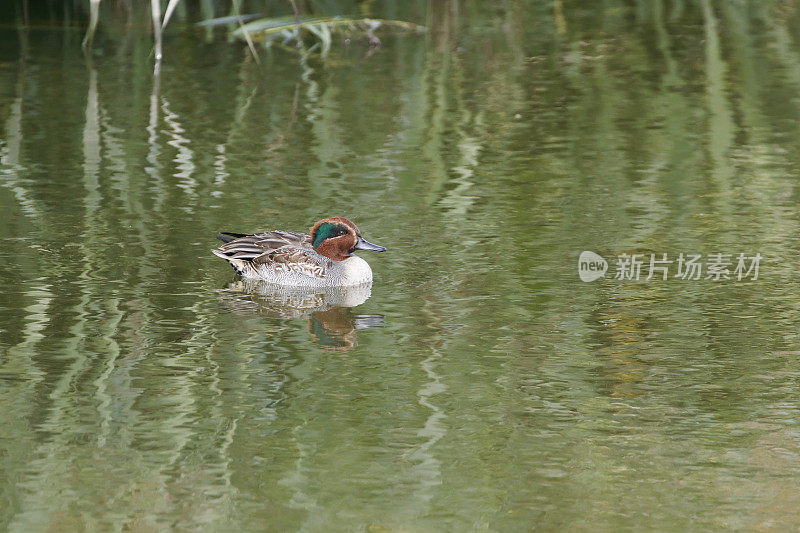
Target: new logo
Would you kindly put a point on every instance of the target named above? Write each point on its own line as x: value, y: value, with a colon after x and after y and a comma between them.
x: 591, y: 266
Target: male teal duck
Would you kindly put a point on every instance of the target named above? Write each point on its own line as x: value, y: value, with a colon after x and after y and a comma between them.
x: 322, y: 258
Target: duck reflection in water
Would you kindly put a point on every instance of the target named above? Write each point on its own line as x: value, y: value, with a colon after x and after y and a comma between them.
x: 331, y: 321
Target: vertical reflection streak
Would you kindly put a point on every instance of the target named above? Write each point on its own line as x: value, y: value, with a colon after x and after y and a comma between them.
x: 428, y: 468
x: 10, y: 145
x: 721, y: 124
x: 153, y: 149
x: 185, y: 155
x: 17, y: 362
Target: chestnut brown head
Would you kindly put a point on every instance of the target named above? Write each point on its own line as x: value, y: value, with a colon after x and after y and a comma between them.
x: 337, y: 238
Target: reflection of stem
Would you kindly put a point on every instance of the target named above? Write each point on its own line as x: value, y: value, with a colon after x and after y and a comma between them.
x: 91, y: 145
x: 38, y: 315
x: 558, y: 12
x: 61, y: 413
x: 295, y: 100
x: 185, y: 155
x: 432, y: 148
x: 429, y: 467
x: 720, y: 123
x: 18, y: 362
x: 239, y: 121
x: 457, y: 201
x: 207, y: 12
x: 671, y: 78
x: 11, y: 144
x: 782, y: 50
x: 92, y: 156
x: 322, y: 114
x: 153, y: 150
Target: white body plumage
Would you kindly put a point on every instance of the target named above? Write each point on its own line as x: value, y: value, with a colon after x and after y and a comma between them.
x: 322, y: 273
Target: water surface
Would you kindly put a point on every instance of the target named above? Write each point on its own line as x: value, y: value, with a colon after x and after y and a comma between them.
x: 481, y: 385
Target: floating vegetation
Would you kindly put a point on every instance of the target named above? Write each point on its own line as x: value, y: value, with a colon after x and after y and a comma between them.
x: 297, y: 28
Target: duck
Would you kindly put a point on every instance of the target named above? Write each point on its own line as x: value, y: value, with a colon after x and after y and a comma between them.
x: 321, y: 258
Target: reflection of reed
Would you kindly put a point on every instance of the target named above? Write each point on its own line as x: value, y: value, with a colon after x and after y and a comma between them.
x: 439, y: 59
x: 12, y: 140
x: 89, y: 247
x: 184, y: 157
x: 322, y: 113
x: 766, y: 165
x: 448, y: 88
x: 153, y: 168
x: 457, y: 200
x: 721, y: 126
x: 244, y: 101
x: 9, y: 158
x: 91, y: 149
x: 428, y: 467
x: 94, y: 370
x: 20, y: 393
x: 17, y: 361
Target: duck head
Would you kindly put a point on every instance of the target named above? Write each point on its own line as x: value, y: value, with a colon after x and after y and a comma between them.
x: 337, y: 238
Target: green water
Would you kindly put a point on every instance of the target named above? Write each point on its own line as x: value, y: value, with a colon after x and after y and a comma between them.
x: 482, y: 385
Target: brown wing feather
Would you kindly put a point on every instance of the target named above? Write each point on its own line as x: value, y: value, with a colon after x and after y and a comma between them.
x: 283, y: 250
x: 252, y: 246
x: 278, y: 239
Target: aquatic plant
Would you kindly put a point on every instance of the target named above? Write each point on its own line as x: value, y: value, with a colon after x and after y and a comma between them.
x: 294, y: 28
x: 252, y: 28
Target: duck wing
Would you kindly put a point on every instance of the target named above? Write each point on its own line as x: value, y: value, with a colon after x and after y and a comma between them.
x: 294, y: 259
x: 248, y: 247
x: 282, y: 250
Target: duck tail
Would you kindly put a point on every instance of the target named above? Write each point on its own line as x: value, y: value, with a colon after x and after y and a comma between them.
x: 228, y: 236
x: 237, y: 264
